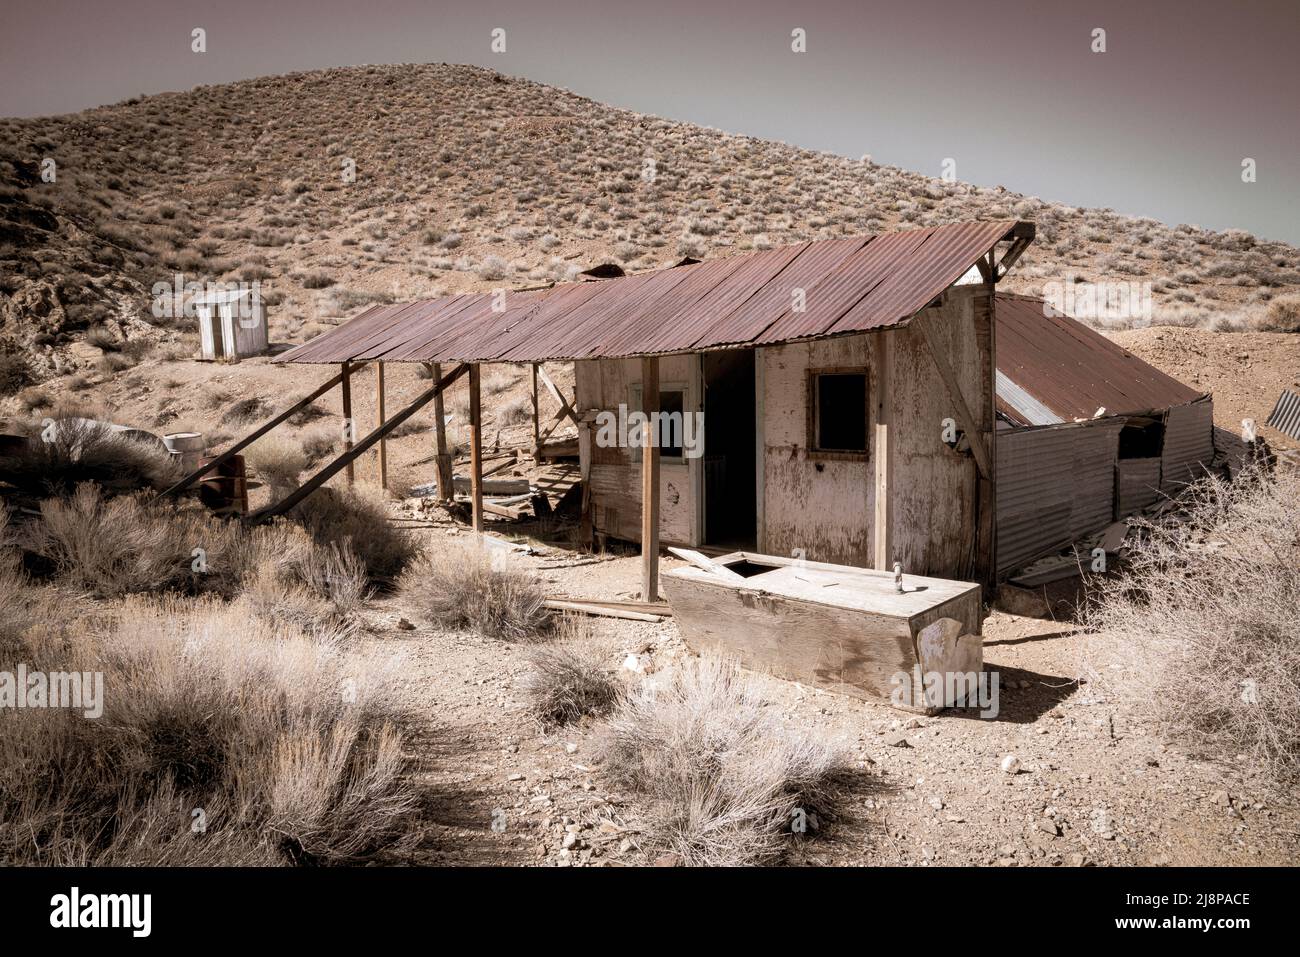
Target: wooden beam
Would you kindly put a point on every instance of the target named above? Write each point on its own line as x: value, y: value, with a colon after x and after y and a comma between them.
x: 1022, y: 235
x: 650, y: 480
x: 537, y: 425
x: 442, y: 458
x: 882, y: 454
x: 349, y: 427
x: 967, y: 421
x: 252, y: 437
x: 342, y: 461
x: 475, y: 448
x: 379, y: 420
x: 565, y: 408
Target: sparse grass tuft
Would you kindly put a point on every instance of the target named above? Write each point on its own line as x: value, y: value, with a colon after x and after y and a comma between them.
x: 721, y: 776
x: 571, y: 678
x: 462, y: 588
x: 1199, y: 633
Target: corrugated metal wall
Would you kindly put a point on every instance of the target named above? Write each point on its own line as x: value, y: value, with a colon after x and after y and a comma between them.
x: 1055, y: 485
x: 1139, y: 484
x: 1189, y: 442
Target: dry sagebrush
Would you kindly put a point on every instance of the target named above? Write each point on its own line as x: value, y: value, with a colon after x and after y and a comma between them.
x: 460, y: 587
x: 282, y: 741
x: 571, y: 678
x: 74, y: 451
x: 1201, y: 633
x: 722, y: 777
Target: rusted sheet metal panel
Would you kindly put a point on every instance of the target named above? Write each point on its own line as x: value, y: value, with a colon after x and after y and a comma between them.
x: 852, y: 284
x: 1055, y: 486
x: 1139, y: 485
x: 1285, y: 416
x: 1033, y: 502
x: 1189, y: 444
x: 1071, y: 370
x: 1096, y: 449
x: 940, y: 260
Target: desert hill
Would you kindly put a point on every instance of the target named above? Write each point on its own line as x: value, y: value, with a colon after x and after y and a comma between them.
x: 342, y: 187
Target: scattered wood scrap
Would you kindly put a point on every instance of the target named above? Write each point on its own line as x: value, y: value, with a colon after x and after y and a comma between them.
x: 628, y: 610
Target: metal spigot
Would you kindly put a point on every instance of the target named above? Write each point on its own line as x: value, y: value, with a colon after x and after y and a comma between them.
x: 898, y: 577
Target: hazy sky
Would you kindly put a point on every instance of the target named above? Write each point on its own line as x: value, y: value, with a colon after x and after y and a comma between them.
x: 1157, y: 125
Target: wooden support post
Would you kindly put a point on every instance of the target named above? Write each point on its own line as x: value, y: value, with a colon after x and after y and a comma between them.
x: 249, y: 439
x: 475, y: 447
x: 650, y: 480
x: 342, y: 461
x: 537, y: 424
x: 882, y: 523
x: 442, y: 458
x: 349, y: 427
x: 379, y: 420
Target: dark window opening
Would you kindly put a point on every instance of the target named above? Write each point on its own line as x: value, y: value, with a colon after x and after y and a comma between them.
x: 839, y: 417
x: 669, y: 433
x: 1141, y: 441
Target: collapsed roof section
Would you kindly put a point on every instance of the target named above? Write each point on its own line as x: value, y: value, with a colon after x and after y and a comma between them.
x: 810, y: 290
x: 1053, y: 369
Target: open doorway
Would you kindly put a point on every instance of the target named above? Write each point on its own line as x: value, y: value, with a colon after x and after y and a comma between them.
x: 730, y: 481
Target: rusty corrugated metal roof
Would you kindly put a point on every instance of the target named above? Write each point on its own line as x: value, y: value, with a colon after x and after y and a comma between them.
x: 1057, y: 364
x: 850, y: 285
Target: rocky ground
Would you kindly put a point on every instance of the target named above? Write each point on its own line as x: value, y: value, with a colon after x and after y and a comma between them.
x: 1059, y: 777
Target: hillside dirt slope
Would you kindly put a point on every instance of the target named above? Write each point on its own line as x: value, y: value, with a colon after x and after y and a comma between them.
x: 339, y: 188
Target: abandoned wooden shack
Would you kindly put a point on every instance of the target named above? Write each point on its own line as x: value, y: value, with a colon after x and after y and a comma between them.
x: 860, y: 407
x: 232, y: 323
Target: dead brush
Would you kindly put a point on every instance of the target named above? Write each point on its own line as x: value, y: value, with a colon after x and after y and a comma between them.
x: 1200, y: 634
x: 283, y: 741
x: 462, y: 588
x: 723, y: 780
x: 360, y: 520
x: 110, y: 547
x: 73, y: 450
x: 571, y: 678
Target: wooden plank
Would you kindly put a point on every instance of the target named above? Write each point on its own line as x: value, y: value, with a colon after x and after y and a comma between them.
x: 707, y: 564
x: 602, y: 610
x: 537, y: 425
x: 379, y: 420
x: 650, y: 481
x: 566, y: 410
x: 586, y: 530
x: 475, y: 448
x: 442, y: 459
x: 883, y: 518
x: 349, y: 426
x: 341, y: 462
x: 968, y: 422
x: 252, y: 437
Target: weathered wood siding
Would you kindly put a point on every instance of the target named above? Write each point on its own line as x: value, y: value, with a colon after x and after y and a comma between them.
x: 603, y: 384
x: 825, y: 506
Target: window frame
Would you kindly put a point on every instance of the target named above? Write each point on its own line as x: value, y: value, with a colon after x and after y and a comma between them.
x: 814, y: 412
x: 634, y: 405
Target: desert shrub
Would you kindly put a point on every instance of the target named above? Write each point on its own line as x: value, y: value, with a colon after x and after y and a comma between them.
x: 204, y: 707
x: 319, y: 441
x: 570, y: 679
x: 15, y: 372
x: 75, y: 450
x: 460, y: 587
x: 278, y: 460
x: 116, y: 546
x: 247, y: 410
x: 1199, y: 634
x: 515, y: 411
x: 1282, y: 315
x: 359, y: 520
x: 722, y: 778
